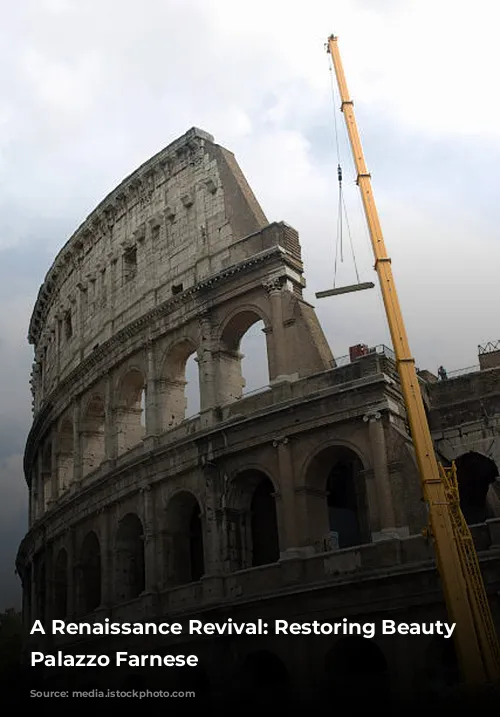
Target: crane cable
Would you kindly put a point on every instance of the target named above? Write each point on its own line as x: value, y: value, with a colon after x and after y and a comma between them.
x: 342, y: 209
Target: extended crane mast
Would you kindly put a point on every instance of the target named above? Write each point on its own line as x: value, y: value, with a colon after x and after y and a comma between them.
x: 465, y: 596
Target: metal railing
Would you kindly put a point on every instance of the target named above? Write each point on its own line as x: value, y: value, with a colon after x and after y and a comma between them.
x: 463, y: 371
x: 489, y: 347
x: 380, y: 349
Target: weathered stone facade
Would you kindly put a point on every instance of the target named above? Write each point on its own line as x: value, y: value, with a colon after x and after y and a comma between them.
x: 302, y: 499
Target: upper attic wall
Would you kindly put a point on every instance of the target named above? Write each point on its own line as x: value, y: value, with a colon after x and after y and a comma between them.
x: 191, y: 198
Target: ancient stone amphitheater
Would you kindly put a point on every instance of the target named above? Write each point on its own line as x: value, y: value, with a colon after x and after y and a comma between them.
x: 301, y: 499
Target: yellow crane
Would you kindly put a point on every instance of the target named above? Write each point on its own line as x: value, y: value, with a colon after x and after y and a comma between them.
x: 476, y: 641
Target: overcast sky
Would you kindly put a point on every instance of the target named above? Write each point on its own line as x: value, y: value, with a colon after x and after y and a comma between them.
x: 89, y: 90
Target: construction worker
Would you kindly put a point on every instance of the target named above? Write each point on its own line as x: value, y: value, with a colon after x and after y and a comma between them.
x: 442, y: 373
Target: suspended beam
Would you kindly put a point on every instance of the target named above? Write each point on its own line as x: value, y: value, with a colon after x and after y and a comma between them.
x: 345, y: 289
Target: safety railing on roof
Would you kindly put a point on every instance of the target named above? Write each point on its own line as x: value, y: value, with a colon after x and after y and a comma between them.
x: 380, y: 349
x: 489, y: 347
x: 337, y: 362
x: 462, y: 371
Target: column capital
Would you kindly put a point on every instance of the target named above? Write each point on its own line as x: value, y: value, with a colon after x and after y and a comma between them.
x: 280, y: 441
x: 273, y: 284
x: 372, y: 416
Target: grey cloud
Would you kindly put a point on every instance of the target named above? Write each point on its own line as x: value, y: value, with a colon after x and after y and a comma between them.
x: 93, y: 89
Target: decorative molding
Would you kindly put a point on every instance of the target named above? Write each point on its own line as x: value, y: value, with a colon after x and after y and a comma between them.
x: 372, y: 416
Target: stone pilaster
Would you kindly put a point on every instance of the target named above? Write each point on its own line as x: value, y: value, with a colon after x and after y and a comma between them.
x: 207, y: 368
x: 381, y: 476
x: 211, y: 526
x: 278, y: 342
x: 288, y: 540
x: 110, y: 437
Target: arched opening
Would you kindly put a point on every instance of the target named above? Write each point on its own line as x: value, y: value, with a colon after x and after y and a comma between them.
x: 192, y: 390
x: 196, y: 544
x: 476, y: 475
x: 265, y: 541
x: 342, y: 505
x: 251, y: 519
x: 93, y: 446
x: 340, y: 521
x: 243, y: 357
x: 143, y: 409
x: 61, y: 585
x: 356, y: 673
x: 130, y: 564
x: 254, y: 361
x: 65, y: 458
x: 184, y: 539
x: 90, y: 574
x: 130, y: 424
x: 179, y: 390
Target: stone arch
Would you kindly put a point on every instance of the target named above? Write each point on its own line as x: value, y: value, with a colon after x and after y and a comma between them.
x: 93, y: 443
x: 61, y: 585
x: 90, y: 579
x: 357, y: 672
x: 251, y: 520
x: 184, y: 538
x: 129, y: 558
x: 335, y: 492
x: 171, y: 391
x: 476, y: 475
x: 130, y: 409
x: 233, y: 332
x: 65, y: 459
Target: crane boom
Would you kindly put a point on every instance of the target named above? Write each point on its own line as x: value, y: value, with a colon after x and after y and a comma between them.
x: 476, y: 645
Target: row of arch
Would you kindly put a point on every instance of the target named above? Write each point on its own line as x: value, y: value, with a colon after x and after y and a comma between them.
x: 177, y: 397
x: 252, y: 529
x: 252, y: 533
x: 183, y: 553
